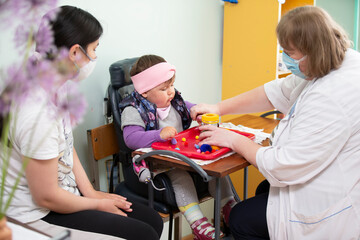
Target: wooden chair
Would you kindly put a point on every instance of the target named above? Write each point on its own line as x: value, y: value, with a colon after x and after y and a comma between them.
x: 102, y: 143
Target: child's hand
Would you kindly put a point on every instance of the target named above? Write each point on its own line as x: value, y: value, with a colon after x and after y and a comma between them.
x: 167, y: 133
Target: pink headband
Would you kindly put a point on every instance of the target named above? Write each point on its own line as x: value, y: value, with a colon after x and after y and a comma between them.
x: 153, y: 76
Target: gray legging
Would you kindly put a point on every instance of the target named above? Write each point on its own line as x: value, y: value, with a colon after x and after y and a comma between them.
x: 142, y: 223
x: 185, y: 191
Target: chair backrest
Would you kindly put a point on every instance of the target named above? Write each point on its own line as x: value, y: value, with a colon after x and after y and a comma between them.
x: 102, y: 143
x: 120, y: 86
x: 277, y: 114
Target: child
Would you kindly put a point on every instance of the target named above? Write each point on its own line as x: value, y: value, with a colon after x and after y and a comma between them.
x: 154, y: 112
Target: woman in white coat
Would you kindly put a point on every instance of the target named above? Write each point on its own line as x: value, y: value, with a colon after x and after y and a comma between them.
x: 314, y: 161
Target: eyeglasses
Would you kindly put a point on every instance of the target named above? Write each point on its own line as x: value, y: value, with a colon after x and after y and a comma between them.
x: 91, y: 59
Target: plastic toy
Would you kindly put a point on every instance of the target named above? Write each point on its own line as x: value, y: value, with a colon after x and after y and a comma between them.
x: 205, y: 148
x: 173, y: 141
x: 210, y: 119
x: 141, y: 170
x: 189, y: 148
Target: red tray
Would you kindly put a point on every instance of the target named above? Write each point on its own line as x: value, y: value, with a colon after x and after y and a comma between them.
x: 188, y: 148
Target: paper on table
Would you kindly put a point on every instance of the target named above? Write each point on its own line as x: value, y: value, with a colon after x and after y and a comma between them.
x: 260, y: 135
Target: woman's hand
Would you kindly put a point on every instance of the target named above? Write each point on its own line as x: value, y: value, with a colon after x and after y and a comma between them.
x: 197, y: 110
x: 167, y: 133
x: 225, y: 138
x: 116, y: 200
x: 218, y: 136
x: 114, y: 206
x: 102, y: 195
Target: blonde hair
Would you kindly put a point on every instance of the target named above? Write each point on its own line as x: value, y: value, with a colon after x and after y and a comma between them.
x: 313, y: 32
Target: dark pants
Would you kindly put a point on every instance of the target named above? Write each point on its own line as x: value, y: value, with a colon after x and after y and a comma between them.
x: 248, y: 218
x: 142, y: 223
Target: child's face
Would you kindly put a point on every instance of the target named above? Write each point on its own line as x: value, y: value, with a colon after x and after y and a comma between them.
x: 162, y: 94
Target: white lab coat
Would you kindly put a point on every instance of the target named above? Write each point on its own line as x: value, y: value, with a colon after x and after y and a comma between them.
x: 314, y: 164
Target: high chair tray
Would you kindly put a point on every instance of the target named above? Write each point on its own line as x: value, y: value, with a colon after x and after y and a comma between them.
x: 186, y: 141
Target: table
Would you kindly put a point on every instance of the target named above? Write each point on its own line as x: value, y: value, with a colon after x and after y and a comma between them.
x: 222, y: 167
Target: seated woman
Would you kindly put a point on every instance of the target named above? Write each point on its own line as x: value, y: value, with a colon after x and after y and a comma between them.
x: 55, y: 189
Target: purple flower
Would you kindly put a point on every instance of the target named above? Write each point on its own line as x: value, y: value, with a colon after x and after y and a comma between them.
x: 44, y: 37
x: 25, y: 9
x: 71, y: 101
x: 42, y: 73
x: 19, y: 81
x: 21, y: 37
x: 28, y: 11
x: 3, y: 5
x: 64, y: 67
x: 34, y: 72
x: 15, y: 89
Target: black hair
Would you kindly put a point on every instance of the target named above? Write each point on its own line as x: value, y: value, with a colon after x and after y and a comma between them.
x: 75, y: 26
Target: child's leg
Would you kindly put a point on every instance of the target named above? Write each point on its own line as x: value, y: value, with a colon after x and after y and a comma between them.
x: 183, y: 185
x: 188, y: 203
x: 227, y: 196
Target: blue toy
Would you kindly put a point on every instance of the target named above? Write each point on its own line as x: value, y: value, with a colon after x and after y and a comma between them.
x: 206, y: 148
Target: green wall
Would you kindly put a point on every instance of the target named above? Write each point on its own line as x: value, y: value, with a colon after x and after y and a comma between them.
x: 343, y: 12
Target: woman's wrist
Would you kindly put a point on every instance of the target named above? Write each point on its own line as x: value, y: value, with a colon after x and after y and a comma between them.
x: 218, y: 109
x: 97, y: 204
x: 89, y: 192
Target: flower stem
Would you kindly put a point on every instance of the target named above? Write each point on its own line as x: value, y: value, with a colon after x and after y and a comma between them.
x: 29, y: 44
x: 6, y: 152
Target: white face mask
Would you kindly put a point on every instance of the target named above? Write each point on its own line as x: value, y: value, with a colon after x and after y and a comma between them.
x: 86, y: 70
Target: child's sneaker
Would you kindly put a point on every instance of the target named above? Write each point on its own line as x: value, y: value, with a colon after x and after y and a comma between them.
x: 227, y: 209
x: 203, y: 230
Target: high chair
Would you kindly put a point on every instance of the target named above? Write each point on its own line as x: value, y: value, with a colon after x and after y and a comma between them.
x: 113, y: 144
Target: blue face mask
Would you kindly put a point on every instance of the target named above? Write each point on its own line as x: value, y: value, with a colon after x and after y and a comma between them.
x: 293, y: 65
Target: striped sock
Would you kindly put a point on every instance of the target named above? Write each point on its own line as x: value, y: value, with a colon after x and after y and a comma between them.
x: 192, y: 212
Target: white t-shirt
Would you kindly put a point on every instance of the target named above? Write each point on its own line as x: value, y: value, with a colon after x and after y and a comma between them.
x: 38, y: 133
x: 313, y: 164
